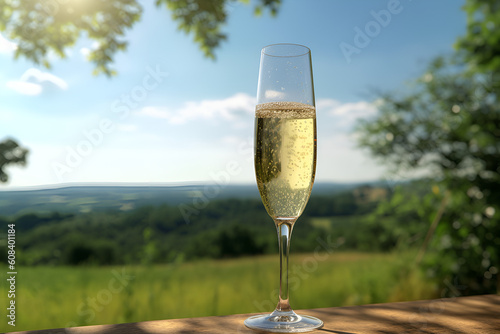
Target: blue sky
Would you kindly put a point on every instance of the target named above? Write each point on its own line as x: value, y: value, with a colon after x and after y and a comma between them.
x: 172, y: 115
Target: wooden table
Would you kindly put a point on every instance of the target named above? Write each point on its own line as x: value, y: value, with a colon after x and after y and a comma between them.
x: 467, y: 315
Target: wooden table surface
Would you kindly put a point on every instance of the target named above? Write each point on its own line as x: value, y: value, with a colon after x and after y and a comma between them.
x: 467, y: 315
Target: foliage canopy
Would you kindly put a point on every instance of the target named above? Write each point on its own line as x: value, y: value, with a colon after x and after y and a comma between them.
x: 448, y: 125
x: 52, y: 26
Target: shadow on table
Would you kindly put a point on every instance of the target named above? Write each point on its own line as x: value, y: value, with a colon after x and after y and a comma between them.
x: 432, y: 316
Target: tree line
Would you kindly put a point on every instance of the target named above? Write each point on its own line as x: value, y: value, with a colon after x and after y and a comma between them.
x: 160, y: 234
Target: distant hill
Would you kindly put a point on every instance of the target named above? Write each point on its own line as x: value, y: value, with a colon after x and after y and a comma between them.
x: 80, y: 198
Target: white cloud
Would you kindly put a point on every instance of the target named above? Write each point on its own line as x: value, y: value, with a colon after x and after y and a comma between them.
x: 156, y: 112
x: 25, y: 88
x: 340, y: 160
x: 34, y: 81
x: 127, y: 127
x: 7, y: 46
x: 358, y: 109
x: 341, y: 115
x: 225, y: 109
x: 37, y: 76
x: 346, y: 114
x: 235, y: 140
x: 326, y: 104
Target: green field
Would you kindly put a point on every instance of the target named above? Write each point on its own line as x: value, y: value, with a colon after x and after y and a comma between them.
x: 52, y: 297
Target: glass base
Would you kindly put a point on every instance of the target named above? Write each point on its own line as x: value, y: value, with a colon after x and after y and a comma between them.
x: 283, y: 322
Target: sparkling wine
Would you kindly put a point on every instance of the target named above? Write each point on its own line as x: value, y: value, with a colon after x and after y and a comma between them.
x: 285, y: 156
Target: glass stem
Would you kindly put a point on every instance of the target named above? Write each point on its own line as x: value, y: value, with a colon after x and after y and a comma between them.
x: 284, y: 229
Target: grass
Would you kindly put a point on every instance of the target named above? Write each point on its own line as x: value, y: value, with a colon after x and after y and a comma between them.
x: 52, y: 297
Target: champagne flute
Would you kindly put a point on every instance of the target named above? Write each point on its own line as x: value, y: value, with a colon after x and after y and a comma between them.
x: 285, y: 162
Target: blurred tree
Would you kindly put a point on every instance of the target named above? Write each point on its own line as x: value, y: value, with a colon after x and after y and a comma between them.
x: 39, y: 27
x: 448, y: 126
x: 401, y: 220
x: 11, y: 153
x: 482, y: 40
